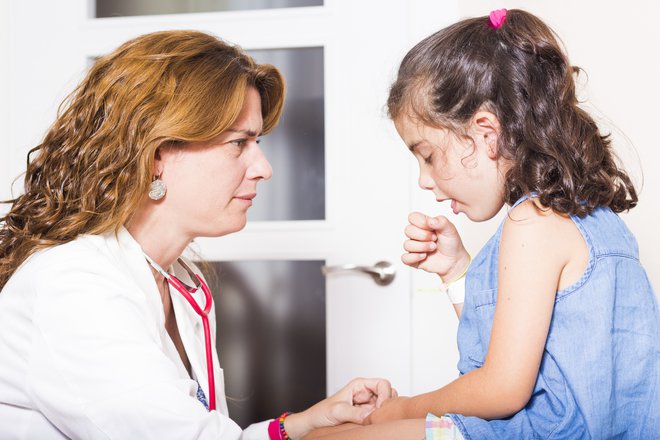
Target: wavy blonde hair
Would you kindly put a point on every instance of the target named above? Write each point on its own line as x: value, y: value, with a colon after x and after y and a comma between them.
x: 95, y: 164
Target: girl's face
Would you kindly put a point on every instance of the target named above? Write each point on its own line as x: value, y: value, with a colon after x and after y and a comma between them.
x: 465, y: 171
x: 210, y: 185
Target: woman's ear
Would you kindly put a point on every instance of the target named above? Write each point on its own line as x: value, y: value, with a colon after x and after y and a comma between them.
x: 486, y: 127
x: 158, y: 163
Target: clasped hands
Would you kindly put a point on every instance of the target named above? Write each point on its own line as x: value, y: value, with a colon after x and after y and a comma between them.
x: 350, y: 405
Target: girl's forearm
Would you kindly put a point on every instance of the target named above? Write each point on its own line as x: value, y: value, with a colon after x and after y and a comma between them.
x: 328, y: 430
x: 474, y: 394
x: 393, y: 430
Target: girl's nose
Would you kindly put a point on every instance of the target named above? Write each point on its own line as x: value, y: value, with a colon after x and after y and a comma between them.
x: 425, y: 181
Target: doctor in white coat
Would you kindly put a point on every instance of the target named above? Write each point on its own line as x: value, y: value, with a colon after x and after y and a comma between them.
x: 157, y: 145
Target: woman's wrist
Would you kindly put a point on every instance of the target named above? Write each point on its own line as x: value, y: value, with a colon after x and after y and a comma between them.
x: 298, y: 424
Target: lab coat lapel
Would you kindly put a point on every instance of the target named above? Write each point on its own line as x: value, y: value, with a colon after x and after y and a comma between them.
x: 130, y: 258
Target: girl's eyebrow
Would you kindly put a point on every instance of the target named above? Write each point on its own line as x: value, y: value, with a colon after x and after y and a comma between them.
x: 414, y: 145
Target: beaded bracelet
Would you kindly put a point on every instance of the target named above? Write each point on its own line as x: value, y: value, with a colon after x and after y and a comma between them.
x: 276, y: 429
x: 283, y: 433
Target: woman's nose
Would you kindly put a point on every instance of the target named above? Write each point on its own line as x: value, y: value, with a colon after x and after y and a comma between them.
x: 259, y: 167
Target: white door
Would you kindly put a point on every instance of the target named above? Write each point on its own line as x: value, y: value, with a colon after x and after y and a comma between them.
x: 371, y: 330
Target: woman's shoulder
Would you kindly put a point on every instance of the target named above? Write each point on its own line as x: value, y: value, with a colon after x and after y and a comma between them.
x: 84, y: 251
x: 85, y: 273
x: 84, y: 257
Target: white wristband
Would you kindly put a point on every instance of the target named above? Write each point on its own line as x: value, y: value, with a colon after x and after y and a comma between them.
x: 456, y: 291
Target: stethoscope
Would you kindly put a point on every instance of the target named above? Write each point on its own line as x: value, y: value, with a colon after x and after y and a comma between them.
x: 186, y: 291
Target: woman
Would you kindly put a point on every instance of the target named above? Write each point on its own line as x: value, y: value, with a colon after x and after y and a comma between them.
x: 157, y: 145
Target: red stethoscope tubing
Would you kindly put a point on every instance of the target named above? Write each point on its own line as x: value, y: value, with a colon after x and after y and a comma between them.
x: 204, y: 314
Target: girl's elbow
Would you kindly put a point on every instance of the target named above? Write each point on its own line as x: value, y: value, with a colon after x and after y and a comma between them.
x: 512, y: 401
x: 508, y: 392
x: 511, y: 395
x: 512, y: 405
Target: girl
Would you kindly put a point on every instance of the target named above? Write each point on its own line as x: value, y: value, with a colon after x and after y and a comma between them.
x: 558, y: 332
x: 157, y: 145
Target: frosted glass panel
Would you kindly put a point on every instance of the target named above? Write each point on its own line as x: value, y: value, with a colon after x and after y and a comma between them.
x: 296, y: 148
x: 271, y: 336
x: 122, y: 8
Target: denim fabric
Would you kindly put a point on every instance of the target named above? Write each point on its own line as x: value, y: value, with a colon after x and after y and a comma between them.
x: 599, y: 370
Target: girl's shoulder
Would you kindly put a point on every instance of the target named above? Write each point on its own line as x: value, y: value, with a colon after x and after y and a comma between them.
x: 531, y: 214
x: 542, y: 234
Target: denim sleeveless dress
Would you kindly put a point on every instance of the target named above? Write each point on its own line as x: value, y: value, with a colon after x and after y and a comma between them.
x: 600, y: 367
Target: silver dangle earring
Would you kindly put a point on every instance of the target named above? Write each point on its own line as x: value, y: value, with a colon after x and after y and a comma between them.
x: 157, y: 188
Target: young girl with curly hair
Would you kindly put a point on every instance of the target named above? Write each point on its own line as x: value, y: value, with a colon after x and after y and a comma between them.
x: 558, y: 333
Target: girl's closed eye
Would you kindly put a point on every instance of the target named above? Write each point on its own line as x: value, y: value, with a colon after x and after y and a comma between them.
x: 425, y: 153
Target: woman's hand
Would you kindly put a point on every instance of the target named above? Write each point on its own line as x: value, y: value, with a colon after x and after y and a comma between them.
x: 353, y: 403
x: 435, y: 246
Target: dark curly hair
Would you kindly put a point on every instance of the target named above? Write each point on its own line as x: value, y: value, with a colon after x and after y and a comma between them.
x: 520, y: 73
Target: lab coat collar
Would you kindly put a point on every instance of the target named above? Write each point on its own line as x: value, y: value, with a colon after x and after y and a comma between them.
x: 130, y: 259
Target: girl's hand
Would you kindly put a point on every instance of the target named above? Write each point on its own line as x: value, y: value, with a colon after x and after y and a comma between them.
x: 353, y: 403
x: 435, y: 246
x: 393, y: 409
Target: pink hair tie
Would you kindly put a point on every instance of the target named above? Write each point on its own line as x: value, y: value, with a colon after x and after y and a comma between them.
x: 497, y: 18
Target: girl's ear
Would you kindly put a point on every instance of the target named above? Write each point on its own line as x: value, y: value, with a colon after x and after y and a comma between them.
x: 486, y: 127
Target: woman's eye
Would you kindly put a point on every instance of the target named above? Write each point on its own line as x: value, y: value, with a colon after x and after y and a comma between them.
x: 243, y: 142
x: 428, y: 159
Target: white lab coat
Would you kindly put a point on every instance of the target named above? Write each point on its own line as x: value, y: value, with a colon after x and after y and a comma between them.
x: 84, y: 352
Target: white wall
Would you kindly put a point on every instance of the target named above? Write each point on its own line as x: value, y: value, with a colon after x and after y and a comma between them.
x: 26, y: 114
x: 5, y: 33
x: 616, y: 43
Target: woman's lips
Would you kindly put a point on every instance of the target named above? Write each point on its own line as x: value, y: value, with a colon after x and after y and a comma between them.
x: 247, y: 198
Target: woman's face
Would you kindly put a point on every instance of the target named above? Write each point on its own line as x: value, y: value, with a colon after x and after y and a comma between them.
x: 211, y: 185
x: 463, y: 172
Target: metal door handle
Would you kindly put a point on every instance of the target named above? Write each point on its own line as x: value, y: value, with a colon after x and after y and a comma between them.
x: 382, y: 272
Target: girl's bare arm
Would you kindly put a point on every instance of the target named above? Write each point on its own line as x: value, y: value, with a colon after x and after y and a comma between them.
x: 536, y: 251
x: 412, y: 429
